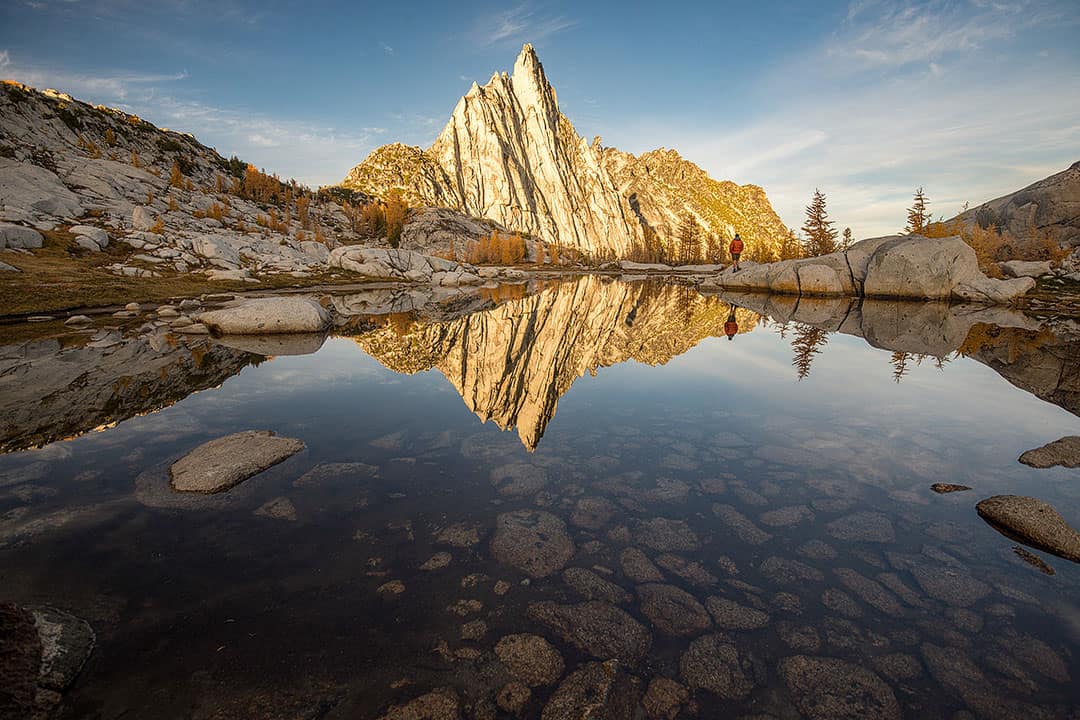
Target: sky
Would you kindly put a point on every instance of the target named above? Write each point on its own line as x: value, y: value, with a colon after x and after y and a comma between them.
x: 865, y: 100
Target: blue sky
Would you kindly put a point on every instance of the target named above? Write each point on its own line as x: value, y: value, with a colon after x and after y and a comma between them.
x: 867, y: 100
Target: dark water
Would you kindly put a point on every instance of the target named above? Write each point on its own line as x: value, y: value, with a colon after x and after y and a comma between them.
x: 627, y: 403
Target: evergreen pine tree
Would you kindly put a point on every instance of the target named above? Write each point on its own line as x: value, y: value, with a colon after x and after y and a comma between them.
x: 689, y: 241
x: 846, y: 240
x: 917, y: 216
x: 818, y: 228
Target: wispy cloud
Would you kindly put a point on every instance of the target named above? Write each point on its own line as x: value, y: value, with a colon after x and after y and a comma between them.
x: 522, y: 23
x: 902, y: 96
x: 313, y: 153
x: 386, y: 48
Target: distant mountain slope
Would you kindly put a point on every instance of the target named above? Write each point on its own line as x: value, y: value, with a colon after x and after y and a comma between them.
x: 662, y: 187
x: 508, y: 154
x: 1051, y: 205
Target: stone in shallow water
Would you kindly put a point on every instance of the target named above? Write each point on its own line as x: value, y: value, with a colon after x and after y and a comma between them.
x: 518, y: 479
x: 597, y: 691
x: 280, y: 508
x: 666, y: 535
x: 869, y: 591
x: 712, y: 663
x: 1033, y: 560
x: 953, y: 586
x: 730, y: 615
x: 331, y: 474
x: 20, y: 661
x: 1033, y: 522
x: 441, y: 704
x: 593, y: 587
x: 602, y: 630
x: 592, y: 513
x: 786, y: 516
x: 785, y: 571
x: 460, y: 535
x: 513, y: 697
x: 833, y: 689
x: 664, y: 698
x: 944, y: 488
x: 1064, y: 452
x: 267, y: 316
x: 672, y: 610
x: 742, y: 526
x: 637, y: 566
x: 800, y: 638
x: 530, y: 659
x: 532, y: 541
x: 816, y: 550
x: 437, y: 561
x: 689, y: 570
x: 227, y: 461
x: 863, y: 527
x: 840, y: 602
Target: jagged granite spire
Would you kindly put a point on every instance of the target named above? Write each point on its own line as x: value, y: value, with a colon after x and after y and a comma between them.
x: 511, y: 156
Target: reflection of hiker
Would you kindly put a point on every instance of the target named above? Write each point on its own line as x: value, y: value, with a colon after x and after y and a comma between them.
x: 736, y: 250
x: 731, y: 326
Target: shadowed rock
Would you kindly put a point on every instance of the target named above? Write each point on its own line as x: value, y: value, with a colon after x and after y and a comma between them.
x: 227, y: 461
x: 531, y: 659
x: 712, y: 663
x: 673, y: 610
x: 1032, y: 522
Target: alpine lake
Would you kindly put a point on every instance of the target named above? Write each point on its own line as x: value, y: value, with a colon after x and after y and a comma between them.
x: 532, y: 500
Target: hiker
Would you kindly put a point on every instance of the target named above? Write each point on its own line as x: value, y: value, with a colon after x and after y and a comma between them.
x: 731, y: 326
x: 736, y: 250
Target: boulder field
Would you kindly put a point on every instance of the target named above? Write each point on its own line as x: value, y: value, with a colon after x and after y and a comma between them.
x: 902, y: 266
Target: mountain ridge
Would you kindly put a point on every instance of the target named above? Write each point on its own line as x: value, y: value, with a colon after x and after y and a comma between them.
x: 508, y: 154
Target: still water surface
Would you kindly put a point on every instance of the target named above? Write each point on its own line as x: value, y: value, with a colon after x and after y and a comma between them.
x: 784, y: 473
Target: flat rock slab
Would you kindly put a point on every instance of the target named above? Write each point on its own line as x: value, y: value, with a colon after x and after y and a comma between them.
x: 267, y: 316
x: 712, y: 663
x: 598, y: 691
x: 1064, y: 452
x: 1032, y: 522
x: 223, y: 463
x: 530, y: 659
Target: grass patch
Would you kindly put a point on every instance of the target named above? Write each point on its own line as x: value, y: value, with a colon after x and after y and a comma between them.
x: 61, y: 276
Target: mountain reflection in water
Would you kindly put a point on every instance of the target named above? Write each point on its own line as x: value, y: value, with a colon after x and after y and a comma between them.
x: 511, y: 353
x: 752, y: 526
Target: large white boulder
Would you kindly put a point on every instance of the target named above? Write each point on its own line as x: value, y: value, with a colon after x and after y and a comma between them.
x: 29, y: 193
x: 95, y: 234
x: 17, y: 236
x: 267, y: 316
x: 143, y: 218
x: 920, y: 268
x: 1025, y: 268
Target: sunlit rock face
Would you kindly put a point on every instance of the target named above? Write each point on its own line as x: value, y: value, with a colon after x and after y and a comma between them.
x: 50, y: 392
x: 512, y: 363
x: 508, y: 154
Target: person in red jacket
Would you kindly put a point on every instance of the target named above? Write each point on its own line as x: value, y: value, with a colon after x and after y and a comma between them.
x: 731, y: 327
x: 736, y: 250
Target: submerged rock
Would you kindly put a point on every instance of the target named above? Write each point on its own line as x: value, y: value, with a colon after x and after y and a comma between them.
x: 280, y: 508
x: 20, y: 660
x: 441, y: 704
x: 593, y: 587
x: 712, y: 663
x: 944, y: 488
x: 673, y: 610
x: 602, y: 630
x: 664, y: 698
x: 863, y: 527
x: 596, y: 691
x: 267, y: 316
x: 742, y: 526
x: 1033, y: 560
x: 951, y: 585
x: 532, y: 541
x: 1064, y: 452
x: 227, y: 461
x: 832, y: 689
x: 531, y: 659
x: 730, y: 615
x: 518, y: 479
x: 1032, y: 522
x: 666, y: 535
x: 637, y: 566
